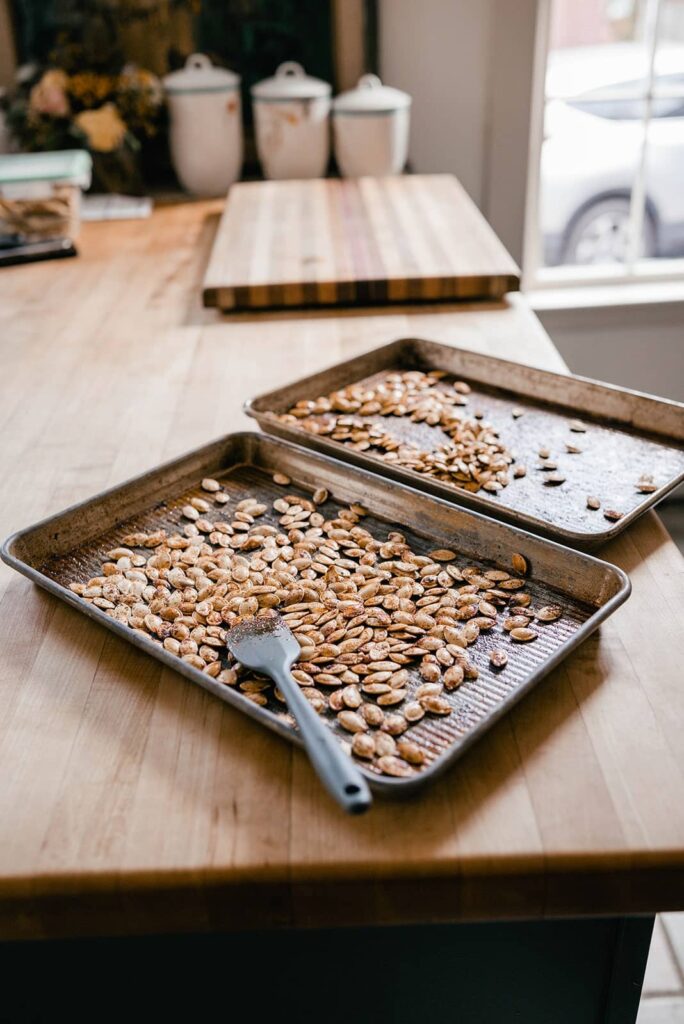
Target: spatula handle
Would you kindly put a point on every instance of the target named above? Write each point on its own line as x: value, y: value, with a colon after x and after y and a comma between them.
x: 336, y: 770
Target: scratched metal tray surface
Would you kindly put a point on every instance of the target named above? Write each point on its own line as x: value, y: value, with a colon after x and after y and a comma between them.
x: 628, y: 434
x: 71, y: 546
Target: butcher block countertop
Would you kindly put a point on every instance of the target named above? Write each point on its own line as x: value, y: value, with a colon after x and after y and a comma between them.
x: 132, y: 801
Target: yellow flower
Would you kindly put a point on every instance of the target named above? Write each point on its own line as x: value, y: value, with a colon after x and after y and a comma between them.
x: 49, y: 96
x: 103, y: 128
x: 90, y: 87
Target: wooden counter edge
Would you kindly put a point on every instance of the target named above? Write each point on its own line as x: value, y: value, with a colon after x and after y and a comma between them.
x: 184, y: 902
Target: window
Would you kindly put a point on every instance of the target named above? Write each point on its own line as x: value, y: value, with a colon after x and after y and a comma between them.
x: 609, y: 203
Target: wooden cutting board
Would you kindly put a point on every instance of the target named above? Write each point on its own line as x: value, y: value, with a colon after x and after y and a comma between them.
x: 365, y: 240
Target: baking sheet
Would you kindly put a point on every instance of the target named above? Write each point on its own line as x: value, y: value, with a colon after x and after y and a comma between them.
x: 628, y: 434
x: 70, y: 547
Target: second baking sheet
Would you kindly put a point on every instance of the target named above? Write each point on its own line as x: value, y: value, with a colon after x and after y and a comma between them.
x: 627, y: 436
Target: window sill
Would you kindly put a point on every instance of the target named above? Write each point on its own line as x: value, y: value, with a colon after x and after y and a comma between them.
x: 634, y: 304
x: 604, y: 296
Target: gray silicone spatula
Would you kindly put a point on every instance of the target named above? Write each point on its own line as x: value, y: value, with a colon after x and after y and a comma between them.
x: 265, y: 644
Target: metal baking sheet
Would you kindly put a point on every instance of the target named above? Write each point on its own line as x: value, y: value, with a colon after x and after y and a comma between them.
x: 70, y: 547
x: 628, y: 434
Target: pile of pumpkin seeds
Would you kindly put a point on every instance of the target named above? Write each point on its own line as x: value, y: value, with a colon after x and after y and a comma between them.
x: 364, y: 610
x: 474, y: 458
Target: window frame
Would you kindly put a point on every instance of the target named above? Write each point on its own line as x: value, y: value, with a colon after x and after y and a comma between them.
x: 536, y: 276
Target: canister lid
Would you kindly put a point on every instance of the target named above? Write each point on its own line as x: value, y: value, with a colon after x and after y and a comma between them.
x: 371, y: 97
x: 200, y: 75
x: 290, y: 82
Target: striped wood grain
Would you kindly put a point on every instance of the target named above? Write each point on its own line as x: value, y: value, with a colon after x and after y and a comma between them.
x: 366, y: 240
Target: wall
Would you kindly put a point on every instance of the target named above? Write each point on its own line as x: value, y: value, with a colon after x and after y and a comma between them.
x: 438, y: 51
x: 638, y: 347
x: 468, y: 64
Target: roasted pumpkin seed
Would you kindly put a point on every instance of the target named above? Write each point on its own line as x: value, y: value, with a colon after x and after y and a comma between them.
x: 436, y: 705
x: 549, y: 613
x: 498, y: 658
x: 351, y: 721
x: 646, y: 484
x: 385, y: 745
x: 443, y: 555
x: 523, y: 634
x: 520, y: 564
x: 612, y: 514
x: 410, y: 751
x: 413, y: 711
x: 372, y: 714
x: 396, y: 766
x: 363, y: 745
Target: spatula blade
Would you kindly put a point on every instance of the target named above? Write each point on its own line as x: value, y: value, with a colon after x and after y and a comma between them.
x: 262, y: 643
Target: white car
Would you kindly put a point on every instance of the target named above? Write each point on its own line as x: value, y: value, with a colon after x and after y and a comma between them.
x: 593, y: 132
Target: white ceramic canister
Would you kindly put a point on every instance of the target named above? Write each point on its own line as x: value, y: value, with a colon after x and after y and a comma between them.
x: 291, y: 115
x: 206, y: 126
x: 371, y: 129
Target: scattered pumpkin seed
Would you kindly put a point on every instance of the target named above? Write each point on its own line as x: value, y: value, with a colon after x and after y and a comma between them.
x: 385, y: 745
x: 523, y: 634
x: 549, y: 613
x: 436, y: 705
x: 372, y: 714
x: 498, y: 658
x: 391, y: 698
x: 413, y: 711
x: 520, y: 564
x: 514, y: 622
x: 200, y: 504
x: 394, y: 724
x: 410, y: 751
x: 443, y: 555
x: 396, y: 766
x: 351, y: 721
x: 646, y: 484
x: 453, y: 677
x: 612, y: 514
x: 363, y: 745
